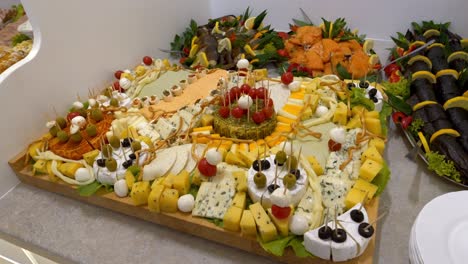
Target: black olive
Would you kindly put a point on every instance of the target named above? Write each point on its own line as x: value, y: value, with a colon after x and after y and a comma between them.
x: 374, y: 99
x: 126, y: 142
x: 357, y: 216
x: 363, y: 84
x: 127, y: 163
x: 132, y: 156
x: 101, y: 162
x: 339, y: 235
x: 372, y: 92
x: 324, y: 232
x: 296, y: 173
x: 256, y: 165
x: 272, y: 187
x: 365, y: 230
x: 265, y: 164
x: 351, y: 85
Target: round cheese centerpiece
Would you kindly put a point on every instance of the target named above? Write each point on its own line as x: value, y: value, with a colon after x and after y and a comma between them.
x: 263, y: 194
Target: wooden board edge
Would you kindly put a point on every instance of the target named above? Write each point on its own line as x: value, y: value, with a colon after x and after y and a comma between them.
x: 179, y: 221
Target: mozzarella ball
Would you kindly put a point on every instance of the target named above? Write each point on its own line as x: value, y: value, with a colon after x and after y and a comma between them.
x: 245, y: 102
x: 338, y: 134
x: 280, y: 198
x: 78, y: 121
x: 186, y: 203
x: 82, y: 175
x: 287, y: 148
x: 243, y: 64
x: 74, y: 129
x: 294, y: 86
x: 102, y: 98
x: 298, y: 225
x: 125, y: 83
x: 51, y: 124
x: 121, y: 188
x: 78, y: 105
x: 213, y: 157
x: 321, y: 111
x: 92, y: 102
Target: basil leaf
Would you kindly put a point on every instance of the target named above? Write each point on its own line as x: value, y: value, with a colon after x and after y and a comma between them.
x: 90, y: 189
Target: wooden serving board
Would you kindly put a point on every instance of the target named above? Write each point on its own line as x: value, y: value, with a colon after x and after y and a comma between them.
x: 183, y: 222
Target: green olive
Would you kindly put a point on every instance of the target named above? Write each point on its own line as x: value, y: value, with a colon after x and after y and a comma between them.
x: 289, y: 180
x: 260, y: 179
x: 76, y: 137
x: 111, y: 164
x: 114, y: 102
x: 53, y: 130
x: 96, y: 114
x: 114, y: 141
x: 107, y: 151
x: 62, y: 136
x: 61, y: 122
x: 136, y: 145
x: 280, y: 158
x: 91, y: 130
x: 293, y: 161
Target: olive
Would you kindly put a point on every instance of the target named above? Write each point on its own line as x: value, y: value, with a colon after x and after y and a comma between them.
x: 351, y: 85
x: 61, y: 122
x: 280, y: 158
x: 372, y: 92
x: 127, y: 163
x: 256, y: 165
x: 375, y: 100
x: 101, y: 162
x: 114, y: 141
x: 111, y: 164
x: 265, y: 164
x: 365, y: 230
x: 53, y: 130
x: 339, y: 235
x: 114, y: 102
x: 82, y: 112
x: 76, y: 137
x: 260, y: 180
x: 324, y: 232
x: 126, y: 142
x: 108, y: 93
x: 272, y: 187
x: 293, y: 161
x: 91, y: 130
x: 107, y: 150
x: 96, y: 114
x: 296, y: 173
x: 289, y: 180
x: 136, y: 145
x: 62, y: 136
x: 357, y: 216
x: 132, y: 156
x: 363, y: 84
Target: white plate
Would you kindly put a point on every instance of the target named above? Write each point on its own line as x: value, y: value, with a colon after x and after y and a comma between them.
x: 441, y: 229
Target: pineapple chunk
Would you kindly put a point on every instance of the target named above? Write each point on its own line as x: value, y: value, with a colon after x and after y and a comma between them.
x: 239, y: 200
x: 315, y: 165
x: 366, y: 187
x: 247, y: 224
x: 69, y: 168
x: 168, y: 202
x: 306, y: 114
x: 154, y: 198
x: 246, y: 157
x: 281, y: 224
x: 369, y: 170
x: 90, y: 156
x: 159, y: 181
x: 354, y: 197
x: 207, y: 120
x: 354, y: 122
x: 129, y: 179
x: 313, y: 100
x: 232, y: 218
x: 181, y: 182
x: 373, y: 154
x: 169, y: 181
x: 40, y: 167
x: 378, y: 143
x: 371, y: 114
x: 50, y: 173
x: 373, y: 125
x: 140, y: 192
x: 341, y: 114
x: 231, y: 158
x: 241, y: 180
x: 33, y: 148
x: 265, y: 226
x: 358, y: 109
x: 197, y: 178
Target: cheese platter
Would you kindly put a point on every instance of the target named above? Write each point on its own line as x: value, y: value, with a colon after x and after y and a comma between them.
x: 285, y: 167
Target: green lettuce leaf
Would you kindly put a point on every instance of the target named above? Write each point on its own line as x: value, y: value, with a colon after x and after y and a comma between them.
x: 382, y: 179
x: 90, y: 189
x: 276, y: 247
x: 358, y: 97
x: 298, y: 247
x: 383, y: 115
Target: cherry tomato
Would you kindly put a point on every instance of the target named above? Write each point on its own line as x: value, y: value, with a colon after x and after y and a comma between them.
x: 400, y: 51
x: 253, y: 93
x: 406, y: 121
x: 234, y: 93
x: 283, y: 35
x: 333, y: 146
x: 245, y: 88
x: 147, y: 60
x: 395, y: 77
x: 292, y: 66
x: 116, y: 86
x: 269, y: 102
x: 182, y: 60
x: 117, y: 74
x: 186, y: 50
x: 268, y: 112
x: 397, y: 117
x: 72, y: 115
x: 258, y: 117
x: 261, y: 92
x: 287, y: 78
x: 280, y: 212
x: 391, y: 68
x: 224, y: 111
x: 237, y: 112
x: 377, y: 66
x: 206, y: 168
x: 283, y: 53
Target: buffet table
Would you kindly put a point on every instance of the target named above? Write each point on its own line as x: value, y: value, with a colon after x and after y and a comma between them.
x: 77, y: 232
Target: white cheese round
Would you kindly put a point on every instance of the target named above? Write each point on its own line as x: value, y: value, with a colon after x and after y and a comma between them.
x: 92, y: 102
x: 77, y: 105
x: 121, y: 188
x: 242, y: 64
x: 321, y: 111
x: 186, y: 203
x: 298, y: 224
x: 82, y: 175
x: 294, y: 86
x: 280, y: 198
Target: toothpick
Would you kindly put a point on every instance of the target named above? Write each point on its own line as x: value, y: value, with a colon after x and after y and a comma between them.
x: 299, y: 156
x: 376, y: 220
x: 335, y: 219
x: 276, y: 174
x: 326, y: 219
x: 55, y: 111
x: 78, y: 97
x: 219, y: 145
x: 363, y: 200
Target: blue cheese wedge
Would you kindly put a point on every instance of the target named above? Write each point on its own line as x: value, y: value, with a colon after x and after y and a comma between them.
x: 214, y: 198
x: 164, y: 128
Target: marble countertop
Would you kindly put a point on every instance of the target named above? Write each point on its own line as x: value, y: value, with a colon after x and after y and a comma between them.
x: 81, y: 233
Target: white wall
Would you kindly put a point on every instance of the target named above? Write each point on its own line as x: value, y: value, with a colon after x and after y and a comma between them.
x: 377, y: 19
x: 81, y: 44
x: 8, y: 3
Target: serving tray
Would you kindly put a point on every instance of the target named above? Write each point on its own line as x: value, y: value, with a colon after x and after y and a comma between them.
x: 182, y: 222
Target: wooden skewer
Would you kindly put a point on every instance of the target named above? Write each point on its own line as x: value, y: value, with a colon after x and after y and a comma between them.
x: 363, y: 200
x: 375, y: 221
x: 326, y: 219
